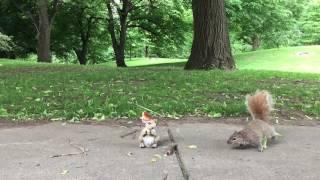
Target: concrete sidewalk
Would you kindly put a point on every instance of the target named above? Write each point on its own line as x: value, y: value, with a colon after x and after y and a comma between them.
x: 25, y: 153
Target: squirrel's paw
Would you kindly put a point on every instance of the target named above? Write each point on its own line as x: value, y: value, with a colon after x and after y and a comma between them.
x: 260, y: 148
x: 142, y: 145
x: 277, y: 134
x: 154, y: 145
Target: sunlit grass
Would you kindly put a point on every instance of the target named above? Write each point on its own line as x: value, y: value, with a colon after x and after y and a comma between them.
x: 51, y: 91
x: 293, y: 59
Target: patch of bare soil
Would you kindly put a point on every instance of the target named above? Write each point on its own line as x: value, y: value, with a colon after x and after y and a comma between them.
x: 292, y: 118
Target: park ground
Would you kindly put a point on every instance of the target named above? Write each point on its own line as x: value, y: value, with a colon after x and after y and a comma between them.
x: 36, y: 152
x: 59, y: 92
x: 65, y: 121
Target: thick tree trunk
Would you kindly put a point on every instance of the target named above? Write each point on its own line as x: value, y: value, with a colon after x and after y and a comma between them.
x: 85, y: 35
x: 256, y: 42
x: 43, y: 50
x: 82, y: 54
x: 119, y: 45
x: 211, y: 44
x: 123, y: 36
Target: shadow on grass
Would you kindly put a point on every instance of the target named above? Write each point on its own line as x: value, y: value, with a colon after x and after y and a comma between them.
x: 175, y: 64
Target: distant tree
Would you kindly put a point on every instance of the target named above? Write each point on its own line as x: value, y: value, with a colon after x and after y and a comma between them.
x: 161, y: 20
x: 310, y: 24
x: 85, y: 32
x: 41, y: 13
x: 258, y: 20
x: 211, y: 44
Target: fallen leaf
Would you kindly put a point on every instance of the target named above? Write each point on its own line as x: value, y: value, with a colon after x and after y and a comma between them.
x: 64, y: 172
x: 157, y: 156
x: 37, y: 100
x: 47, y: 91
x: 192, y: 147
x: 310, y: 118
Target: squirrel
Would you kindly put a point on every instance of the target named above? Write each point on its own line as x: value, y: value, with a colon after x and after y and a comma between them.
x: 257, y: 132
x: 148, y: 136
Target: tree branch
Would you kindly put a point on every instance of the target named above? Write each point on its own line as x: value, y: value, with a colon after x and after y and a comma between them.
x: 111, y: 27
x: 56, y: 3
x: 28, y: 14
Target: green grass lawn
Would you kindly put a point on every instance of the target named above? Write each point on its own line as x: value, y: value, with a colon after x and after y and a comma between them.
x: 293, y: 59
x: 56, y: 91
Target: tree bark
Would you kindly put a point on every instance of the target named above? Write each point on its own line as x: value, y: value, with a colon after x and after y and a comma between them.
x: 146, y: 53
x: 256, y: 42
x: 119, y: 45
x: 44, y: 34
x: 85, y: 35
x: 211, y: 45
x: 82, y: 57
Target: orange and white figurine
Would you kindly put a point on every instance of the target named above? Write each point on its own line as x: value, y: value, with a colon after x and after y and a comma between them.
x: 148, y: 136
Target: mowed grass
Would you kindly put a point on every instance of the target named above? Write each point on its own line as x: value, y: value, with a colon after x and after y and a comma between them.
x: 72, y: 92
x: 292, y: 59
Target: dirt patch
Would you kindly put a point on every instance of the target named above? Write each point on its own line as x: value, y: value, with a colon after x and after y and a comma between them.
x: 293, y: 118
x: 5, y: 123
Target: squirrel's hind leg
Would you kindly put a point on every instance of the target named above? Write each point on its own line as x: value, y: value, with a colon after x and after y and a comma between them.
x: 265, y: 140
x: 275, y: 135
x: 141, y: 145
x: 262, y: 143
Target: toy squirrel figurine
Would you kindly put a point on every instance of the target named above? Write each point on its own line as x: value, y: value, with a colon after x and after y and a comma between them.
x: 259, y: 130
x: 148, y: 136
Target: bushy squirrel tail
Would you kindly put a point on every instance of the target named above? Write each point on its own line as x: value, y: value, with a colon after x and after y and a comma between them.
x: 260, y: 105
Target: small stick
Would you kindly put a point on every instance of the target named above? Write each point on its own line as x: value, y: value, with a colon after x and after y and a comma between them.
x: 80, y: 148
x: 183, y: 168
x: 129, y: 133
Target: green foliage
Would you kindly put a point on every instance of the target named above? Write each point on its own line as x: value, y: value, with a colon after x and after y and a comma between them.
x: 163, y: 26
x: 17, y: 26
x: 260, y: 20
x: 310, y: 23
x: 85, y: 19
x: 6, y: 43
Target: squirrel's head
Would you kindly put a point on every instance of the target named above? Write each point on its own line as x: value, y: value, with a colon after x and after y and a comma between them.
x: 237, y: 139
x: 147, y: 119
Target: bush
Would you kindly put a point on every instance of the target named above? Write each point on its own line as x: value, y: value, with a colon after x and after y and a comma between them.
x: 6, y: 44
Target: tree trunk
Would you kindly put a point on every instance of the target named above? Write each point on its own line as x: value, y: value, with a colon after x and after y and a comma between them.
x: 146, y: 53
x: 82, y: 57
x: 119, y: 46
x: 43, y: 50
x: 256, y: 42
x: 211, y: 44
x: 82, y: 54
